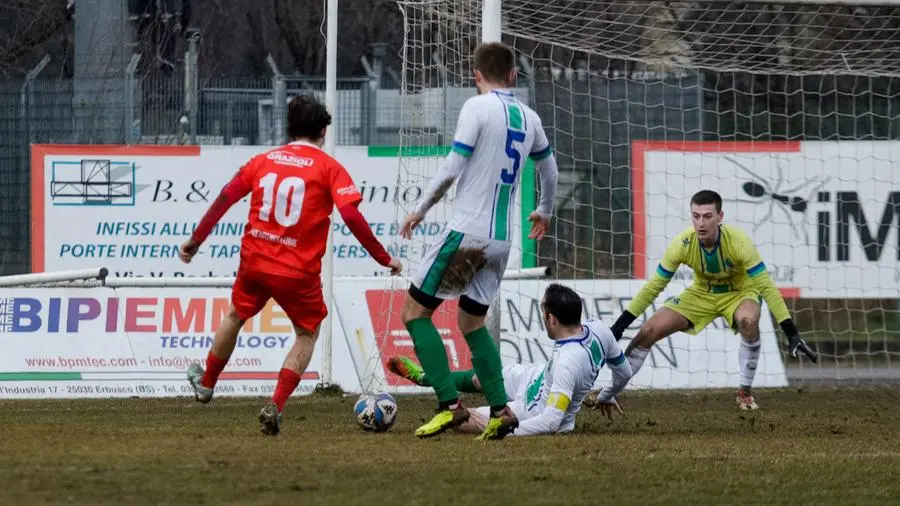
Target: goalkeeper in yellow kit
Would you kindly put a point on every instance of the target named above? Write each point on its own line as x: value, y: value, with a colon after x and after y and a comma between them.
x: 730, y: 280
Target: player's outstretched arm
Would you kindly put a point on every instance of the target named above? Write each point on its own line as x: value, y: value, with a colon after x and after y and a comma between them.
x: 346, y: 198
x: 440, y: 184
x: 549, y: 420
x: 548, y: 174
x: 358, y: 225
x: 450, y: 170
x: 759, y: 276
x: 235, y: 190
x: 564, y: 376
x: 658, y: 281
x: 621, y: 375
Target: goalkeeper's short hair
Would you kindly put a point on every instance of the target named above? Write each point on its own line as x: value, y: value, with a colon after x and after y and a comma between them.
x: 563, y: 303
x: 705, y: 197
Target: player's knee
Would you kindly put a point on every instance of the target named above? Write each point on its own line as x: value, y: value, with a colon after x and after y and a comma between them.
x: 418, y: 305
x: 412, y: 310
x: 305, y: 338
x: 406, y: 315
x: 468, y: 323
x: 471, y: 315
x: 305, y: 334
x: 748, y: 324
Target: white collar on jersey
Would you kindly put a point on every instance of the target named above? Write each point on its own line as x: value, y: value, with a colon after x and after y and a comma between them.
x: 575, y: 338
x: 304, y: 143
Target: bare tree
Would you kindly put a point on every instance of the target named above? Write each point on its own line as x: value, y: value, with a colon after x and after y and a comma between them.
x: 30, y: 30
x: 239, y: 34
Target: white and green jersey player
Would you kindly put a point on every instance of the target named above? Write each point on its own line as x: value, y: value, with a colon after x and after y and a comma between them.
x: 546, y: 398
x: 495, y: 136
x: 496, y: 133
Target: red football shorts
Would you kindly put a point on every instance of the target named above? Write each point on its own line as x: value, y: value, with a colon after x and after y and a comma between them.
x: 300, y: 298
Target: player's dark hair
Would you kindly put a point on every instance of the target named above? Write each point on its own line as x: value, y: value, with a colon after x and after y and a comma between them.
x: 495, y: 61
x: 306, y: 117
x: 705, y: 197
x: 563, y: 303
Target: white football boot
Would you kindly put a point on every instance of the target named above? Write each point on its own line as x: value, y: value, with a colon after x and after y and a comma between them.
x: 746, y: 401
x: 194, y: 375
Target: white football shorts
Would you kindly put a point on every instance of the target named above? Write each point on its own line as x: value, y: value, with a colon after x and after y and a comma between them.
x: 462, y: 264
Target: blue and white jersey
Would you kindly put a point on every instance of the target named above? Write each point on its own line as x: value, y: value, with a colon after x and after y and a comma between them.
x: 497, y: 133
x: 562, y: 384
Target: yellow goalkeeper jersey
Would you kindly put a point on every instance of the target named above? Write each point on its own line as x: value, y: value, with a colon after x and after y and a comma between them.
x: 733, y: 264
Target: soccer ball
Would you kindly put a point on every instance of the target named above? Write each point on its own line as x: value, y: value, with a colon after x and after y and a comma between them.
x: 375, y: 413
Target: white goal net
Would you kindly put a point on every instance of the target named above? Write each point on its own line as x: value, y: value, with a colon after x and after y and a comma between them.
x: 791, y: 111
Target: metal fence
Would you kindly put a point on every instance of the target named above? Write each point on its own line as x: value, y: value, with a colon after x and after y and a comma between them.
x: 158, y: 110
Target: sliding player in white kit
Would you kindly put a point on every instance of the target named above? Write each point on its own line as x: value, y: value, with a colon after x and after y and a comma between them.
x: 547, y: 398
x: 494, y: 136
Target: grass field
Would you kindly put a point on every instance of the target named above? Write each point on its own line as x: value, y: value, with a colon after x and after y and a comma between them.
x: 821, y: 446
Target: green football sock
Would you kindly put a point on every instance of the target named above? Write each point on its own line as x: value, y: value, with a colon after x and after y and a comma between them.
x: 431, y: 354
x: 464, y: 381
x: 488, y: 367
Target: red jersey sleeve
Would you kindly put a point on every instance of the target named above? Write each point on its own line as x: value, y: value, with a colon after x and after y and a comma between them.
x: 343, y: 190
x: 239, y: 186
x: 357, y: 224
x: 244, y: 177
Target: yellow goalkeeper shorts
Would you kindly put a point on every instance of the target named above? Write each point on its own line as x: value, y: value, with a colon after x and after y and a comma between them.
x: 701, y: 308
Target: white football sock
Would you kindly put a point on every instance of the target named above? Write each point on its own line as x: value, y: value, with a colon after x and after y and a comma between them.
x: 636, y: 358
x: 749, y: 359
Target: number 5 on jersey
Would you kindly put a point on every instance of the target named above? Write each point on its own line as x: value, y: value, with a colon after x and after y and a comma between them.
x: 287, y: 199
x: 512, y: 152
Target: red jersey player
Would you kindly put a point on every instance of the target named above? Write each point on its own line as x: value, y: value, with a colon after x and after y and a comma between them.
x: 293, y: 189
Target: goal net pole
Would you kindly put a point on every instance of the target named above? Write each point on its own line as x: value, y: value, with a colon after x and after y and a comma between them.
x: 491, y: 31
x: 327, y: 326
x: 491, y: 21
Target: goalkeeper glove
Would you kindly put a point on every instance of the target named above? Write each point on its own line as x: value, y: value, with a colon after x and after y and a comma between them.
x: 618, y: 328
x: 796, y: 343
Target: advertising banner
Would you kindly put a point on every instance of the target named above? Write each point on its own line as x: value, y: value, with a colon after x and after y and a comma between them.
x: 103, y: 342
x: 129, y: 208
x: 100, y: 342
x: 707, y: 360
x: 824, y: 215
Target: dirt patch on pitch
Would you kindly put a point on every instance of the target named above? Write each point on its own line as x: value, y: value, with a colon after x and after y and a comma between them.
x: 465, y: 264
